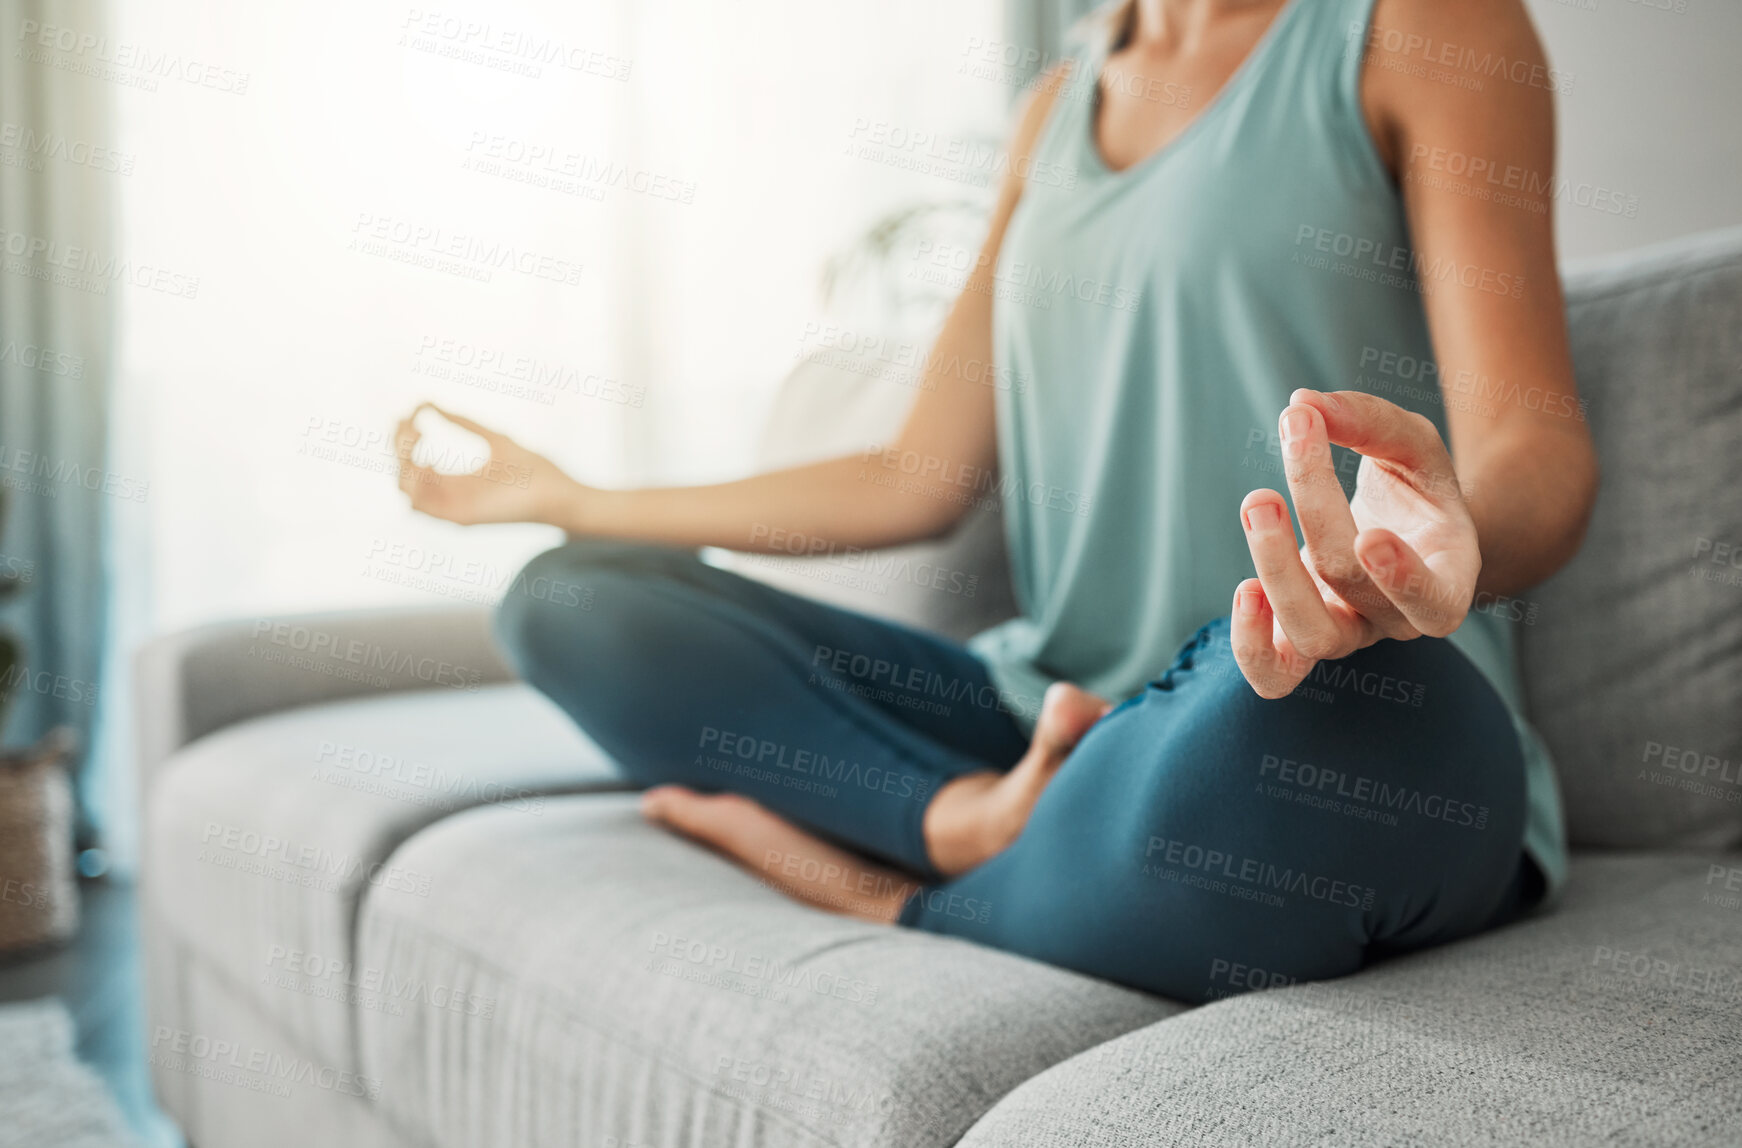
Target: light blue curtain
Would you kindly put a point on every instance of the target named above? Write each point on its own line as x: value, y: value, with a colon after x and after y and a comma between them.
x: 1041, y: 24
x: 57, y: 295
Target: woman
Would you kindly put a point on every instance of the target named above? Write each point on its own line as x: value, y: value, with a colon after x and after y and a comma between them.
x: 1333, y: 772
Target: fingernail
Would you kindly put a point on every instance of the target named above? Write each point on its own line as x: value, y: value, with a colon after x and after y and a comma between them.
x: 1382, y: 556
x: 1295, y: 424
x: 1248, y: 603
x: 1263, y: 516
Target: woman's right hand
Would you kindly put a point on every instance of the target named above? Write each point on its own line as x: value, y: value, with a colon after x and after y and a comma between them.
x: 512, y: 485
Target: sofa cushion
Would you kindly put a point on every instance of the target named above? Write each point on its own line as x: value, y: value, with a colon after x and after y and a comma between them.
x: 1614, y: 1019
x: 261, y: 837
x: 602, y: 978
x: 1632, y: 654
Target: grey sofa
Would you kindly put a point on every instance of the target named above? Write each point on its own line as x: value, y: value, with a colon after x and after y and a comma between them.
x: 392, y: 897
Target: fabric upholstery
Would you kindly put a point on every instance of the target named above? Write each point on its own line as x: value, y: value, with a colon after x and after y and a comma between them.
x: 260, y: 838
x: 189, y: 684
x: 619, y: 982
x: 1632, y: 654
x: 1615, y: 1019
x: 262, y: 1088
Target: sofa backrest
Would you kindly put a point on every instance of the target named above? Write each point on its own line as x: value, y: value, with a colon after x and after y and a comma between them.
x: 1632, y: 654
x: 836, y: 402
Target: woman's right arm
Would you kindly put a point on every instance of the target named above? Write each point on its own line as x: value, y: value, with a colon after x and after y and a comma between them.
x: 920, y: 486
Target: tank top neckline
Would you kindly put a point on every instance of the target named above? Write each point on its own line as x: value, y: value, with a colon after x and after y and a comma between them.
x: 1241, y: 74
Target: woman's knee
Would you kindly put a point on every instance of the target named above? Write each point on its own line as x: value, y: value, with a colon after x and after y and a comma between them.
x: 550, y: 618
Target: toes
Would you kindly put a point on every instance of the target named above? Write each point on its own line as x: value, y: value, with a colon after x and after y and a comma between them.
x: 660, y: 802
x: 685, y: 810
x: 728, y: 822
x: 1066, y: 713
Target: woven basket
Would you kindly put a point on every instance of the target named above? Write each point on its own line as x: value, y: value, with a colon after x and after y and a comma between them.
x: 39, y: 897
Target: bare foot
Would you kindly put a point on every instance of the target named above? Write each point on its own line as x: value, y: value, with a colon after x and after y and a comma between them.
x: 801, y: 865
x: 976, y: 816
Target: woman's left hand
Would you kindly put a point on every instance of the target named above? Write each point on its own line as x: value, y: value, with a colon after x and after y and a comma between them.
x: 1399, y: 560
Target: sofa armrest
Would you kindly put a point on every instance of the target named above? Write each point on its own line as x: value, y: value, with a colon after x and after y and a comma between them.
x: 189, y: 684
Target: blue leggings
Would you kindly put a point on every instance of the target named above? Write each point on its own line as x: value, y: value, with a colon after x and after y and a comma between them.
x: 1200, y: 841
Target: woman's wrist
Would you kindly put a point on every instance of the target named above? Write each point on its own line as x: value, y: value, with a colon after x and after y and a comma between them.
x: 567, y: 505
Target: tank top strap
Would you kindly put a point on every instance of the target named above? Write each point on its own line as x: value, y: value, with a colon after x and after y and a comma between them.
x: 1326, y: 44
x: 1085, y: 47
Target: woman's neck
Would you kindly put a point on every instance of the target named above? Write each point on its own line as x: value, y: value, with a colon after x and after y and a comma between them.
x: 1179, y: 23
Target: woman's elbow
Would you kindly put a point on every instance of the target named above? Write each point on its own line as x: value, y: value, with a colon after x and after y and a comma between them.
x: 1578, y: 494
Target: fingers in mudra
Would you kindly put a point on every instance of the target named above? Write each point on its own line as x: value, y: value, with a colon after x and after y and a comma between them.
x: 1399, y: 560
x: 1329, y: 532
x: 503, y: 485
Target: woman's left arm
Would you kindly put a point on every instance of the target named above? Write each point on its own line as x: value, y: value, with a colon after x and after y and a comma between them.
x: 1472, y: 143
x: 1459, y: 98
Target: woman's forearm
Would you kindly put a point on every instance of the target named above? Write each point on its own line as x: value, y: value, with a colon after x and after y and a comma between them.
x: 857, y: 501
x: 1530, y: 492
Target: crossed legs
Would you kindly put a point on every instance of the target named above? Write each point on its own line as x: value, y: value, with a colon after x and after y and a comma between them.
x: 865, y: 767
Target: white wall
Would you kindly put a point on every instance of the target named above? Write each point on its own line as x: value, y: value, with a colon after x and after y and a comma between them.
x: 1654, y: 113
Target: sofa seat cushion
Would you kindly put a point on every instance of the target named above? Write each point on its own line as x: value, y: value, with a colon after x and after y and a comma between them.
x: 261, y: 836
x: 604, y: 979
x: 1615, y: 1018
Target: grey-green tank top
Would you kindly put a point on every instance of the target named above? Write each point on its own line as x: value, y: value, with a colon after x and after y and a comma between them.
x: 1158, y: 318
